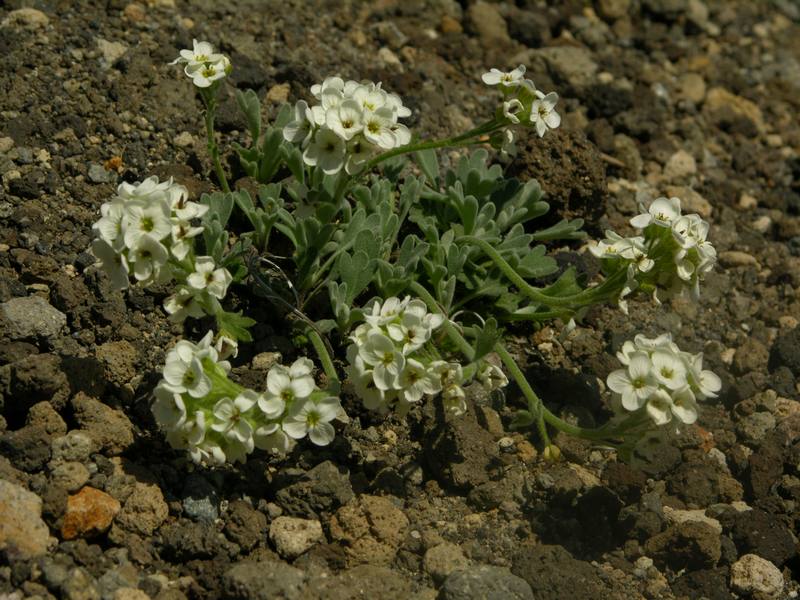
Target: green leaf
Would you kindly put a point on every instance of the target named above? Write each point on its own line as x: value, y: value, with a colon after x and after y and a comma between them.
x: 251, y: 107
x: 284, y: 116
x: 356, y: 272
x: 234, y: 325
x: 220, y: 205
x: 271, y: 155
x: 535, y: 264
x: 487, y: 338
x: 563, y: 230
x: 523, y: 419
x: 428, y: 162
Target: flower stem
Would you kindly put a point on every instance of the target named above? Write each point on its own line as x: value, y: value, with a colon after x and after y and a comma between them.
x: 459, y: 140
x: 324, y: 358
x: 210, y: 101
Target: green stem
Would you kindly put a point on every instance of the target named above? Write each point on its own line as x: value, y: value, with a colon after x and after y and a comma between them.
x: 324, y: 358
x: 608, y: 289
x: 458, y: 140
x: 463, y: 345
x: 211, y: 108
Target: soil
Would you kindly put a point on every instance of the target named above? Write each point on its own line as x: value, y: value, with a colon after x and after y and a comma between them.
x: 658, y: 97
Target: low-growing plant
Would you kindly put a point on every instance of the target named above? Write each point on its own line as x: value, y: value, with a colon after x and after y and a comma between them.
x: 408, y: 272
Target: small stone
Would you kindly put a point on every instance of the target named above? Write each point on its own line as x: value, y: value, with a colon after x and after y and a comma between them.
x: 785, y: 351
x: 762, y: 224
x: 752, y: 575
x: 129, y: 594
x: 279, y: 93
x: 370, y: 529
x: 386, y: 56
x: 99, y: 174
x: 6, y: 144
x: 79, y: 585
x: 70, y: 475
x: 109, y: 428
x: 613, y: 9
x: 111, y: 51
x: 570, y: 65
x: 680, y: 165
x: 144, y: 511
x: 488, y: 23
x: 89, y: 513
x: 74, y: 446
x: 264, y: 361
x: 690, y: 544
x: 245, y: 525
x: 752, y: 355
x: 264, y: 580
x: 736, y: 258
x: 135, y: 12
x: 31, y: 317
x: 723, y: 108
x: 691, y: 201
x: 754, y: 428
x: 42, y: 414
x: 674, y: 515
x: 23, y: 533
x: 200, y: 499
x: 184, y: 139
x: 692, y: 87
x: 747, y: 202
x: 292, y: 536
x: 450, y: 25
x: 440, y: 561
x: 485, y: 581
x: 27, y: 18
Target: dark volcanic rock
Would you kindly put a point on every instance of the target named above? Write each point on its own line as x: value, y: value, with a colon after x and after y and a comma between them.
x: 758, y: 532
x: 555, y: 574
x: 691, y: 545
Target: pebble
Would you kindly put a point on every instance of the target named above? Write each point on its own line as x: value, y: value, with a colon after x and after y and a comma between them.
x: 371, y: 530
x: 264, y: 361
x: 99, y: 174
x: 680, y: 165
x: 184, y: 139
x: 674, y: 515
x: 488, y: 22
x: 23, y: 533
x: 692, y: 87
x: 109, y: 428
x: 485, y: 581
x: 74, y: 446
x: 292, y: 536
x: 27, y: 18
x: 6, y: 144
x: 752, y: 574
x: 31, y: 317
x: 720, y: 103
x: 89, y: 513
x: 111, y: 51
x: 278, y: 93
x: 450, y: 25
x: 69, y: 475
x: 200, y: 499
x: 251, y: 580
x: 747, y: 202
x: 736, y: 258
x: 691, y: 201
x: 754, y: 428
x: 613, y: 9
x: 443, y: 559
x: 144, y: 510
x: 762, y: 224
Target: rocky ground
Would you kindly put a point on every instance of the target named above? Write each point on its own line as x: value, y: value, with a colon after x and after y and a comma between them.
x: 666, y: 97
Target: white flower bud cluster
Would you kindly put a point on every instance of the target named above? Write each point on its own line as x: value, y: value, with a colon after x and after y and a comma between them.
x: 388, y: 367
x: 672, y: 257
x: 217, y: 421
x: 523, y: 104
x: 352, y: 122
x: 203, y: 65
x: 661, y: 380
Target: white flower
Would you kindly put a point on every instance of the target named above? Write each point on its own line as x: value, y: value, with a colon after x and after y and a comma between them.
x: 543, y: 114
x: 229, y: 417
x: 301, y: 128
x: 273, y: 439
x: 188, y: 376
x: 289, y: 383
x: 313, y: 419
x: 345, y: 119
x: 684, y: 406
x: 149, y: 190
x: 634, y: 384
x: 206, y: 277
x: 492, y: 377
x: 358, y: 153
x: 113, y: 263
x: 180, y: 205
x: 703, y: 383
x: 668, y: 369
x: 326, y: 151
x: 200, y: 54
x: 335, y: 83
x: 661, y: 212
x: 109, y: 226
x: 659, y: 407
x: 151, y: 219
x: 169, y: 408
x: 454, y: 400
x: 511, y: 108
x: 182, y: 234
x: 190, y: 434
x: 386, y: 360
x: 509, y: 79
x: 416, y: 381
x: 147, y: 257
x: 378, y: 127
x: 205, y: 75
x: 185, y: 302
x: 226, y: 347
x: 370, y: 97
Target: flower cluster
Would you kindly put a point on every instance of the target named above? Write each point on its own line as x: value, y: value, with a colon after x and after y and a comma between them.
x: 523, y: 104
x: 352, y: 122
x: 148, y: 229
x: 661, y: 381
x: 217, y: 421
x: 672, y: 256
x: 388, y: 364
x: 203, y: 65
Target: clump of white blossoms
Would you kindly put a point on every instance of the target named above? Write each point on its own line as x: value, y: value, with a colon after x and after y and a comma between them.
x: 661, y: 381
x: 352, y: 123
x: 391, y: 364
x: 671, y: 257
x: 147, y: 230
x: 523, y: 104
x: 217, y: 421
x: 202, y: 65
